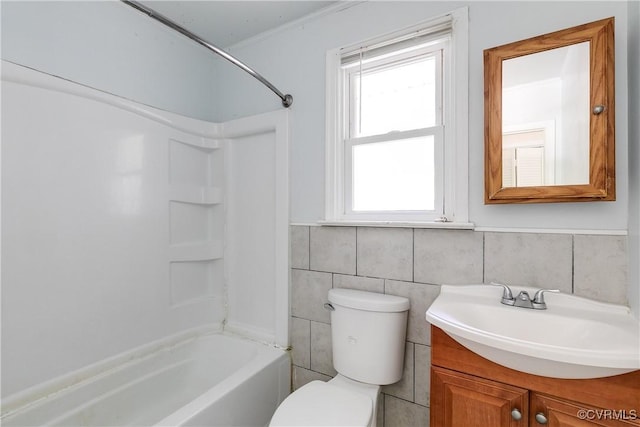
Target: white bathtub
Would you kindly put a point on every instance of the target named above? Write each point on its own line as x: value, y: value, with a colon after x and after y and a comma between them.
x: 209, y: 379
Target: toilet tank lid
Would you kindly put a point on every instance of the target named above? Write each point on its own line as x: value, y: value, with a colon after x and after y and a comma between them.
x: 369, y: 301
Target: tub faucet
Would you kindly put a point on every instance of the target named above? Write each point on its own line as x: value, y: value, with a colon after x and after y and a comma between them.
x: 523, y: 299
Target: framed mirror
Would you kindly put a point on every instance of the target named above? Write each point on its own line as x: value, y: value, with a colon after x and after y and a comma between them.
x: 550, y: 117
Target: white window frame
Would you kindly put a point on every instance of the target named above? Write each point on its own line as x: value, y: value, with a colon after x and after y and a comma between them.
x: 454, y: 189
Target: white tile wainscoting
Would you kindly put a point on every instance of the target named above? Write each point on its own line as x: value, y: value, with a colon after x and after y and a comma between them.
x: 413, y: 263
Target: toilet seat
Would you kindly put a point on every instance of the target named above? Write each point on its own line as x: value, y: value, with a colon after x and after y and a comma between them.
x: 323, y: 404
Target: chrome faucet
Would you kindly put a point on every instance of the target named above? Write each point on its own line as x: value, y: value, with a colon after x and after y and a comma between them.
x: 523, y: 299
x: 507, y: 295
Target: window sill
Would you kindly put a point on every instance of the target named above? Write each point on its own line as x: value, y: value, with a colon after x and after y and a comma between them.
x: 401, y: 224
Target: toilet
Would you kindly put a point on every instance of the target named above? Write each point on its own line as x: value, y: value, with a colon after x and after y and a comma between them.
x: 368, y: 337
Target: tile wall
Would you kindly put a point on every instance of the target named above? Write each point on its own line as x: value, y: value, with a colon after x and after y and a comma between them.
x: 413, y: 263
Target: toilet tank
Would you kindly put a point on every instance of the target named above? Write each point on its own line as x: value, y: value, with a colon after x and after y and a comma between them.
x: 368, y: 333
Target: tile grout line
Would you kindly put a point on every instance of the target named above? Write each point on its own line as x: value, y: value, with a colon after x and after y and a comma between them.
x: 484, y: 247
x: 309, y: 245
x: 413, y: 255
x: 356, y: 250
x: 573, y: 263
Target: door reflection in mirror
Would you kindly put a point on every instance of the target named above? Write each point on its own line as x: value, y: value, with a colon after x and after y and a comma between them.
x: 545, y: 118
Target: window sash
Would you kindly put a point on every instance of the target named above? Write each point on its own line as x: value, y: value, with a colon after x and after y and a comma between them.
x: 354, y: 70
x: 435, y: 49
x: 398, y: 215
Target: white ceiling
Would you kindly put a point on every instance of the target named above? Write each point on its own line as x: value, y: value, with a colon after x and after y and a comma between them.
x: 225, y: 23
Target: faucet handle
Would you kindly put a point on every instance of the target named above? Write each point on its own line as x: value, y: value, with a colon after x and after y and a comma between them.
x: 538, y: 298
x: 507, y: 295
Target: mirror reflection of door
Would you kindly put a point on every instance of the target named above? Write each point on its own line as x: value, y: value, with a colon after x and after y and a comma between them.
x: 523, y: 158
x: 546, y: 87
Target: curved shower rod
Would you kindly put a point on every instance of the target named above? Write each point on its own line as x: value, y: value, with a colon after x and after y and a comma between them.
x: 287, y: 99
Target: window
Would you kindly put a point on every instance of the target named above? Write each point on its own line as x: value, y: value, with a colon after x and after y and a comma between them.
x: 396, y: 128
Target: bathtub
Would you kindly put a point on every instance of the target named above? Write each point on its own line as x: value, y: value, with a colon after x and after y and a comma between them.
x: 204, y: 379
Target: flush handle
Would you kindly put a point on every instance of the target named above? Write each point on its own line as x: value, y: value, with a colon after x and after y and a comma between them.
x: 328, y: 306
x: 516, y: 415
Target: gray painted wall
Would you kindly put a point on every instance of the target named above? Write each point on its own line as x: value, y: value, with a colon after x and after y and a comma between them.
x: 109, y: 46
x: 295, y: 59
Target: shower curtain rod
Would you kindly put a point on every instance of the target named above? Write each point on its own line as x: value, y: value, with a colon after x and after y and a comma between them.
x: 287, y: 99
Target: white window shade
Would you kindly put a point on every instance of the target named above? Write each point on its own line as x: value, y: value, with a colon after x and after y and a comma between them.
x: 397, y: 45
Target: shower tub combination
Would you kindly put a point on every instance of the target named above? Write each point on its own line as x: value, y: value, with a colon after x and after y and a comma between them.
x: 209, y: 364
x: 211, y: 379
x: 173, y: 212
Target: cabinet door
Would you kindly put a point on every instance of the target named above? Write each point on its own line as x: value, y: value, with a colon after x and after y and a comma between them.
x: 464, y: 400
x: 547, y: 411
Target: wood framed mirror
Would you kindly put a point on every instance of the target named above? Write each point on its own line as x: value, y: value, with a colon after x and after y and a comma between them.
x: 549, y: 111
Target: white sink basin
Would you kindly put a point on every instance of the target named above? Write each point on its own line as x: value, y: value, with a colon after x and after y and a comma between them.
x: 573, y: 338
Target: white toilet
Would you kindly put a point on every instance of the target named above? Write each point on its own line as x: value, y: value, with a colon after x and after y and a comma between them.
x: 368, y: 337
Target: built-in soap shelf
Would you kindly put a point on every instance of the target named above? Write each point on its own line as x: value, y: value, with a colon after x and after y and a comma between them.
x: 204, y: 144
x: 195, y: 195
x: 196, y: 217
x: 196, y: 251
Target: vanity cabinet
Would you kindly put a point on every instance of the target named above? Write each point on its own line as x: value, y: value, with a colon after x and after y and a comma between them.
x: 469, y: 390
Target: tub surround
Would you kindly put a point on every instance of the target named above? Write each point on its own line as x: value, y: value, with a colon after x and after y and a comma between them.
x: 101, y: 186
x: 413, y: 263
x: 123, y: 224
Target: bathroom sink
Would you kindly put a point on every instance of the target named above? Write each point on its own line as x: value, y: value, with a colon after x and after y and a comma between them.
x: 573, y: 338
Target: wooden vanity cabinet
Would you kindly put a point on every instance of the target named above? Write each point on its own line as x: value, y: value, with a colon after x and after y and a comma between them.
x: 468, y: 390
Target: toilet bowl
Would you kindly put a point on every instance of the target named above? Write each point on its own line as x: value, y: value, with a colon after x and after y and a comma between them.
x: 368, y: 340
x: 333, y: 403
